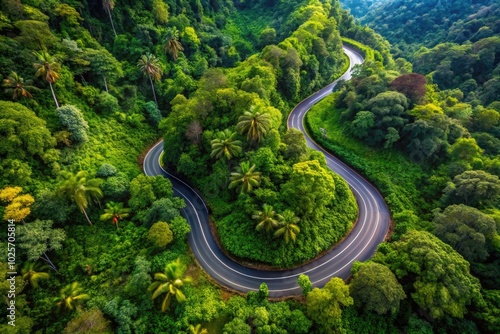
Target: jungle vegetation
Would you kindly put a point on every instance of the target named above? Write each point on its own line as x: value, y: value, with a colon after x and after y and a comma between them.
x: 89, y: 86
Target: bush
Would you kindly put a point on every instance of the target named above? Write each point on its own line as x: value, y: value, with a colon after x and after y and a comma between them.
x: 160, y: 234
x: 71, y: 117
x: 106, y: 170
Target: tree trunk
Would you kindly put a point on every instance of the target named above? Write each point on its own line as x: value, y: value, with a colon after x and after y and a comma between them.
x: 86, y: 216
x: 46, y: 259
x: 111, y: 19
x: 105, y: 83
x: 153, y: 87
x: 53, y: 94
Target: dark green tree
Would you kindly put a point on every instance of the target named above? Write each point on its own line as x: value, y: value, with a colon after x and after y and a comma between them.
x: 441, y: 280
x: 466, y: 229
x: 375, y: 288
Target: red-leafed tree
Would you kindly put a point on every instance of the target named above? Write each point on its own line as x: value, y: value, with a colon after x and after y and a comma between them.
x: 411, y: 85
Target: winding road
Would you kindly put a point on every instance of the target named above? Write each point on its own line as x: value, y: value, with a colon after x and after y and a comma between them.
x: 360, y: 244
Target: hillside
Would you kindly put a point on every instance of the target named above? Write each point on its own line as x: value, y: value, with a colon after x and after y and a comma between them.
x: 93, y: 245
x: 421, y: 22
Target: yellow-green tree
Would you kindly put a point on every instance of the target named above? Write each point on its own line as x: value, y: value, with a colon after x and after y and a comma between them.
x: 18, y: 206
x: 324, y: 306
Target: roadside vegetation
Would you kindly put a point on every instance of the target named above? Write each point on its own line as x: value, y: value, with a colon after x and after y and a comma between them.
x: 102, y: 248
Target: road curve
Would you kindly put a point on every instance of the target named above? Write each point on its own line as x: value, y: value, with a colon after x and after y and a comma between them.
x: 360, y: 244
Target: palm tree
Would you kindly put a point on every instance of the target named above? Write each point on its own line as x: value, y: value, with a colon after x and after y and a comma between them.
x: 197, y: 329
x: 266, y: 218
x: 48, y: 67
x: 169, y: 282
x: 226, y: 145
x: 245, y: 178
x: 70, y: 297
x: 288, y: 226
x: 254, y: 124
x: 150, y: 66
x: 108, y: 6
x: 80, y: 189
x: 16, y: 86
x: 33, y: 271
x: 172, y: 44
x: 114, y: 212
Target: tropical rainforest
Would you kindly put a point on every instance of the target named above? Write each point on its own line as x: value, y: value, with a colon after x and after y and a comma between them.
x: 89, y: 87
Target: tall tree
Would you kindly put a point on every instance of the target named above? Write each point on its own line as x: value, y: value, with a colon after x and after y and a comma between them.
x: 266, y: 219
x: 324, y: 305
x: 108, y: 6
x: 70, y: 297
x: 466, y: 229
x: 16, y: 86
x: 245, y: 177
x: 115, y: 212
x: 33, y: 271
x: 80, y: 189
x: 48, y: 67
x: 169, y: 282
x: 375, y: 288
x: 150, y: 66
x: 225, y: 145
x: 254, y: 123
x: 172, y: 44
x: 474, y: 188
x: 442, y: 283
x: 288, y: 226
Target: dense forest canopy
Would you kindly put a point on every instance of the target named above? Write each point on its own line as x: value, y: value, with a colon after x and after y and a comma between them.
x: 89, y: 86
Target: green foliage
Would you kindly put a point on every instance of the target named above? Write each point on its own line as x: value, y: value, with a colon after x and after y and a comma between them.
x: 375, y: 288
x: 71, y: 118
x: 245, y: 178
x: 160, y: 234
x: 164, y: 209
x: 474, y: 188
x: 70, y: 297
x: 88, y: 322
x: 39, y: 237
x: 440, y: 276
x: 324, y: 305
x: 114, y: 212
x: 154, y: 114
x: 309, y: 178
x: 24, y: 136
x: 304, y: 283
x: 170, y: 283
x: 466, y: 229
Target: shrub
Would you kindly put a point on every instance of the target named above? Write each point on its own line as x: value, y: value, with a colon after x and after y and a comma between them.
x: 71, y: 117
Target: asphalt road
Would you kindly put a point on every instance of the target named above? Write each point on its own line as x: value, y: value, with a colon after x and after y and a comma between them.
x: 360, y: 244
